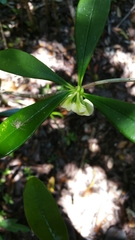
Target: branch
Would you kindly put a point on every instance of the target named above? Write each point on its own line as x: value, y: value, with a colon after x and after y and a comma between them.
x: 114, y: 80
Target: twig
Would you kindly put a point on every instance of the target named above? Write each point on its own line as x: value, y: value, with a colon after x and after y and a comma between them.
x: 47, y: 10
x: 29, y: 14
x: 71, y: 9
x: 83, y: 158
x: 131, y: 10
x: 114, y: 80
x: 55, y: 12
x: 3, y: 36
x: 26, y: 95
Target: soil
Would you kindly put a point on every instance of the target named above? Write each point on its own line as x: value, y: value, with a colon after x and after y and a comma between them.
x: 86, y: 161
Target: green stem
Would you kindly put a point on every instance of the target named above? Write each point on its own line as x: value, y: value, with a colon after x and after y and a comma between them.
x: 114, y: 80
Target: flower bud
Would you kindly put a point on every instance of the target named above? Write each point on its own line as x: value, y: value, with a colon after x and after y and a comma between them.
x: 77, y: 104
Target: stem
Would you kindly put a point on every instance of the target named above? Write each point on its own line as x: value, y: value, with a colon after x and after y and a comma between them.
x: 114, y: 80
x: 29, y: 13
x: 3, y: 36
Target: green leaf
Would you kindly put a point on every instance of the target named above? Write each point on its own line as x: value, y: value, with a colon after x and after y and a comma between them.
x: 1, y: 238
x: 3, y: 1
x: 15, y: 130
x: 42, y: 212
x: 120, y: 114
x: 9, y: 112
x: 24, y: 64
x: 12, y: 225
x: 91, y: 16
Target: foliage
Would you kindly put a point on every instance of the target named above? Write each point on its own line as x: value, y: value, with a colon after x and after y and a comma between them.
x: 4, y: 173
x: 42, y: 213
x: 10, y: 224
x: 27, y: 172
x: 40, y: 208
x: 3, y: 1
x: 70, y: 137
x: 90, y: 20
x: 8, y: 199
x: 20, y: 126
x: 120, y: 114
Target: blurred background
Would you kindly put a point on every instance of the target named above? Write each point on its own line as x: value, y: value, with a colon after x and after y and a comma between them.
x: 87, y: 164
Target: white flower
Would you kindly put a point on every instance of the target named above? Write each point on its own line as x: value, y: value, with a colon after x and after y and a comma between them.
x: 67, y: 103
x: 77, y: 104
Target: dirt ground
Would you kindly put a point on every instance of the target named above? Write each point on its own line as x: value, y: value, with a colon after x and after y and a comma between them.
x: 87, y: 164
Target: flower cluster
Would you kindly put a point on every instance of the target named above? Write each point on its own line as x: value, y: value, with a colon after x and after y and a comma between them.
x: 76, y: 103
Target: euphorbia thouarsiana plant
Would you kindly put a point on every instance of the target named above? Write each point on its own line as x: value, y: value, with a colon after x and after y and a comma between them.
x: 91, y: 16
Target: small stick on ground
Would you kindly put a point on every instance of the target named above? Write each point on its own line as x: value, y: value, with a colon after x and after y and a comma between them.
x: 3, y: 36
x: 126, y: 16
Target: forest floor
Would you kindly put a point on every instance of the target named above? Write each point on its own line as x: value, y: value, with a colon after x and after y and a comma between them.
x: 71, y: 153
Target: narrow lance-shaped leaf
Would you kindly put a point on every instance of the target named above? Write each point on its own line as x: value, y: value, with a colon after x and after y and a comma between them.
x: 120, y: 114
x: 26, y: 65
x: 91, y: 16
x: 9, y: 112
x: 15, y: 130
x: 42, y: 212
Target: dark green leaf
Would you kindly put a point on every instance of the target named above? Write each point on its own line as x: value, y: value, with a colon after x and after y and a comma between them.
x: 120, y: 114
x: 9, y: 112
x: 1, y: 238
x: 91, y: 16
x: 12, y: 225
x: 42, y: 212
x: 15, y: 130
x: 3, y: 1
x: 24, y: 64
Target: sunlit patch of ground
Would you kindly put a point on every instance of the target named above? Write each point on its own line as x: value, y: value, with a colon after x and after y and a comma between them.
x: 90, y: 200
